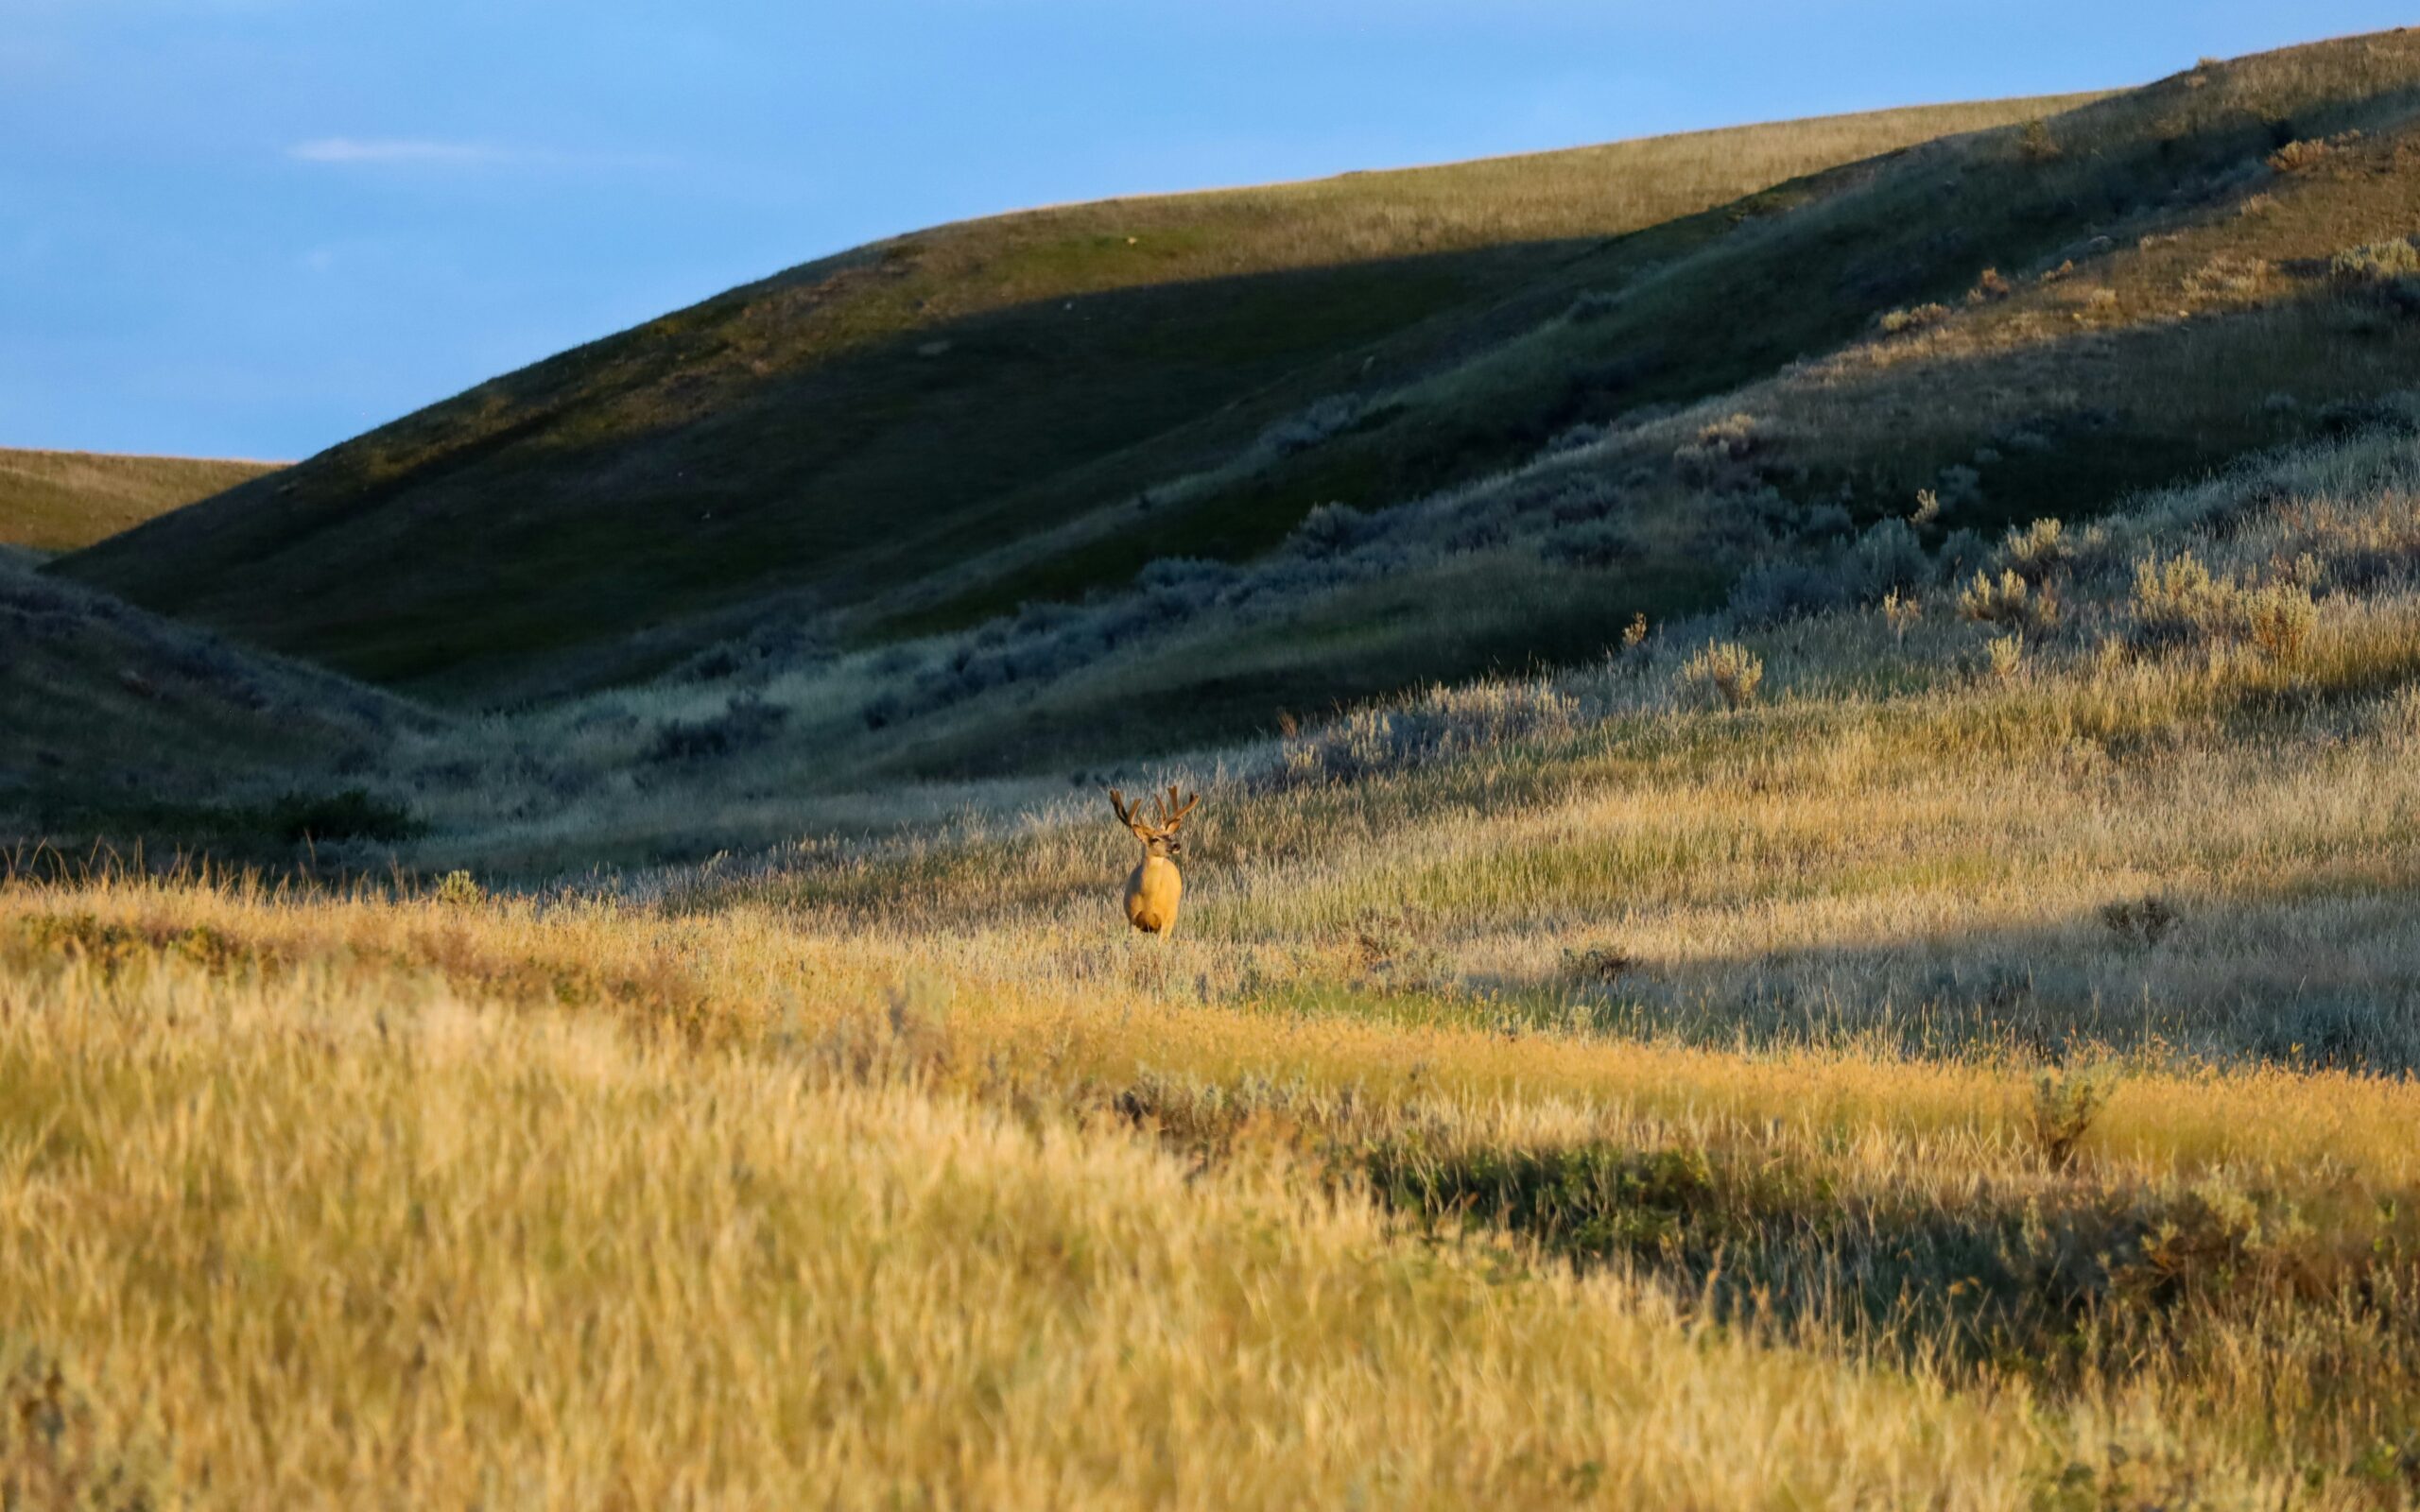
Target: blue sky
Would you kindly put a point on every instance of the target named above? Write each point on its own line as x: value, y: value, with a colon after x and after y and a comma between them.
x: 256, y: 227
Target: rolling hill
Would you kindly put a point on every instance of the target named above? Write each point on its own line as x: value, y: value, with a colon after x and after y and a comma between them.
x: 1770, y: 407
x: 61, y: 501
x: 857, y: 433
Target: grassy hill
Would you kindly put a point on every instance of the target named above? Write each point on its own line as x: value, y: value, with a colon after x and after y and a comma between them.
x: 62, y: 501
x: 2176, y: 278
x: 1021, y: 494
x: 856, y: 435
x: 1966, y: 1065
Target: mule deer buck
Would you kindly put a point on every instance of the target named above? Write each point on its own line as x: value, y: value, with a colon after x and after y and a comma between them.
x: 1154, y: 888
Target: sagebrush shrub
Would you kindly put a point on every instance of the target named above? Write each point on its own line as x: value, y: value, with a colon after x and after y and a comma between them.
x: 2376, y: 262
x: 2007, y: 599
x: 1779, y: 588
x: 2294, y: 157
x: 1889, y: 559
x: 2140, y: 920
x: 2180, y: 601
x: 1960, y: 484
x: 1444, y: 722
x: 1914, y: 317
x: 2038, y: 550
x: 2281, y: 619
x: 2065, y: 1105
x: 2228, y: 275
x: 746, y: 722
x: 1724, y: 670
x: 1330, y: 528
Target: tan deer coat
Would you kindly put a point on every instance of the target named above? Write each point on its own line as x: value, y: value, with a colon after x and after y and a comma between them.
x: 1153, y: 892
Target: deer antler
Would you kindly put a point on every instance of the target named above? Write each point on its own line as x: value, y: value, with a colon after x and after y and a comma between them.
x: 1117, y: 805
x: 1175, y: 815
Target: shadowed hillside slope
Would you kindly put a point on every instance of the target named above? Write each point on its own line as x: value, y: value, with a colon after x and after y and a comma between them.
x: 117, y: 725
x: 62, y: 501
x: 845, y: 431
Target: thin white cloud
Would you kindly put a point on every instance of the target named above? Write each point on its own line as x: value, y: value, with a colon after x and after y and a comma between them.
x: 391, y: 149
x: 429, y: 153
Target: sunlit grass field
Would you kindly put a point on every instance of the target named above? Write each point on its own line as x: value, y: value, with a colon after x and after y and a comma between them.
x: 1967, y: 1063
x: 62, y: 501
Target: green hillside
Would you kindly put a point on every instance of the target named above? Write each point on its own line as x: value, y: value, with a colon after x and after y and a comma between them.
x: 62, y: 501
x: 857, y: 429
x: 1773, y: 405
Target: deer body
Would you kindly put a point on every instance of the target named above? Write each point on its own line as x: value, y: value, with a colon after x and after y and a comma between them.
x: 1154, y: 888
x: 1153, y: 892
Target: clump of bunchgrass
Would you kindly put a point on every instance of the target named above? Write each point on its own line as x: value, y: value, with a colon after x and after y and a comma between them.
x: 2004, y: 656
x: 1901, y: 612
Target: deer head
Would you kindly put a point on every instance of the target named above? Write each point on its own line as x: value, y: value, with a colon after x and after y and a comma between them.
x: 1158, y: 833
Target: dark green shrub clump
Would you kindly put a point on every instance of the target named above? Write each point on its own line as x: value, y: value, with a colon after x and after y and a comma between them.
x: 353, y: 813
x: 745, y: 723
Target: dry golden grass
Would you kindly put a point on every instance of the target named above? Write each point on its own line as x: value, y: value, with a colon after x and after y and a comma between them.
x: 338, y: 1203
x: 304, y: 1243
x: 65, y: 500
